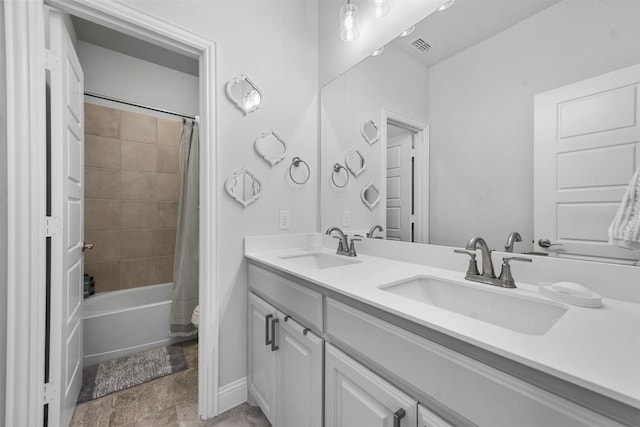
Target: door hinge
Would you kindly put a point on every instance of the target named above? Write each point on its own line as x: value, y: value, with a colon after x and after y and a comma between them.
x: 413, y: 152
x: 51, y: 226
x: 49, y: 393
x: 51, y: 59
x: 413, y: 219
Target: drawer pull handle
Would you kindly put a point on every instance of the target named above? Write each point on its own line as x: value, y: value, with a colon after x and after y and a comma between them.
x: 398, y: 416
x: 267, y: 341
x: 274, y: 322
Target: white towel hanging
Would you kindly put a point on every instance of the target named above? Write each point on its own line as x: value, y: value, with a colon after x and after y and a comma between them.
x: 624, y: 231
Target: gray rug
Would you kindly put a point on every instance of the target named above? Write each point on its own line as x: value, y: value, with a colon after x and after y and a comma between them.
x: 128, y: 371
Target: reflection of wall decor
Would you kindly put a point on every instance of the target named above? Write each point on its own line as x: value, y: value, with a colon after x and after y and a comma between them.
x: 295, y: 176
x: 243, y: 187
x: 336, y: 174
x: 244, y: 94
x: 370, y: 195
x: 271, y: 147
x: 370, y: 132
x: 354, y: 161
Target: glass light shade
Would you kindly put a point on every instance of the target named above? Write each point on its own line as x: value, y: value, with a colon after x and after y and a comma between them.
x: 349, y: 22
x: 379, y: 8
x: 408, y: 31
x: 378, y: 51
x: 446, y: 5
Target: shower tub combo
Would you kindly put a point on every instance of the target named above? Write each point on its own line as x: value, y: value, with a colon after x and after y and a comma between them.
x: 119, y: 323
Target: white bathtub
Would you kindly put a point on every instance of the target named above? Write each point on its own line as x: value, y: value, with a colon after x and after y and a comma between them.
x: 124, y: 322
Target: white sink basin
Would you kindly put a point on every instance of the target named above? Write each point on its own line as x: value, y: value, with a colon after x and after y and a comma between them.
x: 513, y: 312
x: 321, y: 260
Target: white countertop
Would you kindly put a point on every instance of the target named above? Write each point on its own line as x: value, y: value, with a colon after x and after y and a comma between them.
x: 596, y: 348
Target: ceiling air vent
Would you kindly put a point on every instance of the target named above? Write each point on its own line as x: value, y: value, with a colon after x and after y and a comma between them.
x: 419, y: 45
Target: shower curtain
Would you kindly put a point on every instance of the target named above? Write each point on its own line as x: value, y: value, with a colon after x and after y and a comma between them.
x: 185, y: 268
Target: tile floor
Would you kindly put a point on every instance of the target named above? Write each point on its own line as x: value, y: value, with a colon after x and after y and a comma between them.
x: 166, y: 401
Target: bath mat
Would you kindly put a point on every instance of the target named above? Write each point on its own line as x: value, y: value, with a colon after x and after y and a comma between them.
x: 128, y: 371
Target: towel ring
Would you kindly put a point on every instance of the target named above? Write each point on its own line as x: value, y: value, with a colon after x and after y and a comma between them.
x: 296, y: 162
x: 336, y: 169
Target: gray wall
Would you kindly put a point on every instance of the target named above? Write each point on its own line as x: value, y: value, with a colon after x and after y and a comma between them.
x: 3, y: 217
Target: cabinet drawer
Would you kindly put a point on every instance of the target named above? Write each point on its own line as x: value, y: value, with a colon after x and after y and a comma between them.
x: 481, y: 394
x: 303, y: 304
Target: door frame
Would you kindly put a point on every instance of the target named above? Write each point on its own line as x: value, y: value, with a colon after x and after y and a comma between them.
x: 26, y: 182
x: 420, y: 133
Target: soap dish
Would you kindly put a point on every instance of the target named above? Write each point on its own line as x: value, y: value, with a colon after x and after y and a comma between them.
x: 571, y: 293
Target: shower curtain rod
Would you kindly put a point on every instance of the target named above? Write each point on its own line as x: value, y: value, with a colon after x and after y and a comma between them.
x: 121, y: 101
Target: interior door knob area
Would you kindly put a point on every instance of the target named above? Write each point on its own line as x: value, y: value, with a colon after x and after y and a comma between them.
x: 86, y: 246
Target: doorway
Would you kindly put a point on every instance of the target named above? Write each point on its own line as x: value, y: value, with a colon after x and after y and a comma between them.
x: 406, y: 165
x: 25, y: 387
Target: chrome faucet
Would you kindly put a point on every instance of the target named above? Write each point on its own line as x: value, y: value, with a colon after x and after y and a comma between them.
x: 373, y: 230
x: 514, y: 237
x: 488, y: 276
x: 344, y: 248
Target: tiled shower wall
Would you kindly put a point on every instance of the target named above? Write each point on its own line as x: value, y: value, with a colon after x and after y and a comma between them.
x: 131, y: 197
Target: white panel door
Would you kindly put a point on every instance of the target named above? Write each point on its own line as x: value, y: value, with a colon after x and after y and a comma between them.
x: 262, y: 356
x: 586, y: 149
x: 67, y: 205
x: 399, y: 188
x: 357, y: 397
x: 299, y: 375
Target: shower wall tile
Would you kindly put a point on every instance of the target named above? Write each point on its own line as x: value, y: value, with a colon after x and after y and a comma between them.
x: 139, y: 156
x: 137, y: 185
x: 138, y: 243
x: 138, y: 127
x: 101, y: 152
x: 139, y: 215
x: 168, y: 159
x: 102, y: 183
x: 169, y: 132
x: 101, y: 121
x: 137, y: 272
x: 102, y: 214
x: 105, y: 274
x: 164, y: 269
x: 166, y: 242
x: 168, y: 187
x: 132, y: 191
x: 167, y: 214
x: 107, y: 246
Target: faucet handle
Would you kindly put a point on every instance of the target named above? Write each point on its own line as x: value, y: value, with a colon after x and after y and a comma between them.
x: 472, y: 270
x: 505, y: 275
x: 352, y: 247
x: 340, y: 246
x: 462, y: 251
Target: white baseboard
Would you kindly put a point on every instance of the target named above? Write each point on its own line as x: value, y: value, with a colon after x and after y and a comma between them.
x: 232, y: 394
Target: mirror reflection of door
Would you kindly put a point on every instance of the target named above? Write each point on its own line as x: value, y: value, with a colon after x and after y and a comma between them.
x: 400, y: 177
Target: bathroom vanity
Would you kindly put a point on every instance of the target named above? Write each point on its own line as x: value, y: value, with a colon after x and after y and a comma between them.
x: 371, y: 340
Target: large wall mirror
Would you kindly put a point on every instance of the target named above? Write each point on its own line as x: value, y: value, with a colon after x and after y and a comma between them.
x: 454, y: 103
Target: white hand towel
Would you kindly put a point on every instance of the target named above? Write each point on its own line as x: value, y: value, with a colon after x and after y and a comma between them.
x: 624, y: 231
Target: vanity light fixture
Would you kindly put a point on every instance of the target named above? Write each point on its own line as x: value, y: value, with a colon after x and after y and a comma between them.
x: 379, y: 8
x: 378, y: 51
x: 408, y: 31
x: 349, y: 22
x: 446, y: 5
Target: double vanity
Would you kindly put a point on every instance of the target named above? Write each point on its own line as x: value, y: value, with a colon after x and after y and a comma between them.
x: 371, y: 340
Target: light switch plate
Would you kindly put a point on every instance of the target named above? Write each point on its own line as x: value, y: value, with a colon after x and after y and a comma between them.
x: 285, y: 220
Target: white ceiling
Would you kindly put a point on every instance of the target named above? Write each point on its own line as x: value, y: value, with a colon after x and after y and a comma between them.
x: 110, y: 39
x: 466, y: 23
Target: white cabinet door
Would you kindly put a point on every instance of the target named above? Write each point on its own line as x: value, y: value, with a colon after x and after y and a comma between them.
x: 67, y: 206
x: 299, y: 375
x: 262, y: 356
x: 357, y: 397
x: 426, y: 418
